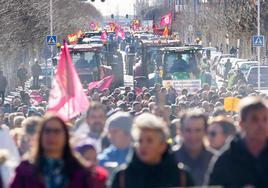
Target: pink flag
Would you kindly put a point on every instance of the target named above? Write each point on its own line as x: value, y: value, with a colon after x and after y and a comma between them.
x: 166, y: 20
x: 101, y: 85
x: 104, y: 35
x: 120, y: 33
x: 67, y: 98
x: 92, y: 26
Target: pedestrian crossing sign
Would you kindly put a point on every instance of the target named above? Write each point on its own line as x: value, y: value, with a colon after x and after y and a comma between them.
x: 51, y: 40
x: 258, y: 41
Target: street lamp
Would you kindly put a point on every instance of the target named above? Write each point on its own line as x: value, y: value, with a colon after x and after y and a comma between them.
x: 259, y: 48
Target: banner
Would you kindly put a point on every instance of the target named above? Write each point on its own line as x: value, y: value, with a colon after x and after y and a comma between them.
x: 193, y: 86
x: 231, y: 104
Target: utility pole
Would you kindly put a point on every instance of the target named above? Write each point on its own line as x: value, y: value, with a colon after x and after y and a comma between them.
x: 259, y: 48
x: 51, y: 33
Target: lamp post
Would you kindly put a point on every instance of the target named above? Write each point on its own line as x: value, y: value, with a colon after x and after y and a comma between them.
x: 51, y: 33
x: 259, y: 48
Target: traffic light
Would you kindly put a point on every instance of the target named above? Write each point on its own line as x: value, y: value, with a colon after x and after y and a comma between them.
x: 112, y: 16
x: 126, y: 16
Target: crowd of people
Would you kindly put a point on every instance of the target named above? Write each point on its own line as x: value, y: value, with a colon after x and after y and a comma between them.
x: 147, y: 139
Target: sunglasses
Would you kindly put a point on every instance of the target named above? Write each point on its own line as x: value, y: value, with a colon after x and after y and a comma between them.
x: 52, y: 131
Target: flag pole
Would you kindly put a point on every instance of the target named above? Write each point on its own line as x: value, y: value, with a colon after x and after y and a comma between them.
x: 68, y: 89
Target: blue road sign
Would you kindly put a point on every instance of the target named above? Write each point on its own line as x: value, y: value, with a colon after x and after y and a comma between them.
x: 258, y: 41
x: 51, y: 40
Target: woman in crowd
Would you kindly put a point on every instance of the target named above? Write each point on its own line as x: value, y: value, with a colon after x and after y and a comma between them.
x: 53, y: 165
x: 220, y: 131
x: 152, y: 164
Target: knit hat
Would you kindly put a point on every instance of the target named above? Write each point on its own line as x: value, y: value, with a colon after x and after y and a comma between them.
x: 84, y: 145
x: 120, y: 120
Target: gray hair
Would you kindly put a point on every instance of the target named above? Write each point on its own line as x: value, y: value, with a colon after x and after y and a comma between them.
x: 18, y: 120
x: 147, y: 121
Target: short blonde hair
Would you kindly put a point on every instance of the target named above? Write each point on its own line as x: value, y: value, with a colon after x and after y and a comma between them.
x: 147, y: 121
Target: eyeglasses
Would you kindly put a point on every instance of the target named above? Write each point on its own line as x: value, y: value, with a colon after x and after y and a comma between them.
x: 52, y: 131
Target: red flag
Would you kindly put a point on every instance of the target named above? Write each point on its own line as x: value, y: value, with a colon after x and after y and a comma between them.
x: 101, y: 85
x: 67, y: 97
x: 166, y: 20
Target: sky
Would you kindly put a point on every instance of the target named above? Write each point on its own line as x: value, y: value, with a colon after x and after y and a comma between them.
x: 110, y: 6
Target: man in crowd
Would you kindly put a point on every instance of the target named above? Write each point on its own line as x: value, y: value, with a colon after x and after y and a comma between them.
x: 193, y: 153
x: 22, y: 74
x: 3, y: 85
x: 36, y: 72
x: 245, y: 164
x: 95, y: 119
x: 119, y: 128
x: 91, y: 125
x: 179, y: 65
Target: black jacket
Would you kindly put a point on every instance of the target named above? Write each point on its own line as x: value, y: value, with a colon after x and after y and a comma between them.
x: 140, y: 175
x: 236, y: 167
x: 197, y: 166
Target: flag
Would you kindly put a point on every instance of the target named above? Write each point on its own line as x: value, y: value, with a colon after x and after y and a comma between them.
x: 101, y: 85
x: 92, y: 26
x: 72, y: 38
x: 166, y: 31
x: 104, y: 35
x: 79, y: 33
x: 135, y: 24
x: 67, y: 98
x: 112, y: 26
x: 166, y: 20
x: 120, y: 34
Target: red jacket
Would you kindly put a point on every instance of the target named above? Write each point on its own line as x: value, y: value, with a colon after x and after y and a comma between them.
x: 99, y: 176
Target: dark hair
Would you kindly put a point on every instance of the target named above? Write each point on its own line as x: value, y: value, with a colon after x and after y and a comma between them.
x: 71, y: 163
x: 226, y: 124
x: 95, y: 106
x: 250, y: 104
x: 193, y: 114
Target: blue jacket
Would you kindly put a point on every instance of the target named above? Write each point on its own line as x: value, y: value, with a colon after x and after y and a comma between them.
x: 113, y: 154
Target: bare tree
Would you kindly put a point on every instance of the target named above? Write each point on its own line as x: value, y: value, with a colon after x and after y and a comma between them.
x: 25, y: 23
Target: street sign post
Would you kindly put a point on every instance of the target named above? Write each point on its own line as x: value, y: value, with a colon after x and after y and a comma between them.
x: 51, y: 40
x: 258, y: 41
